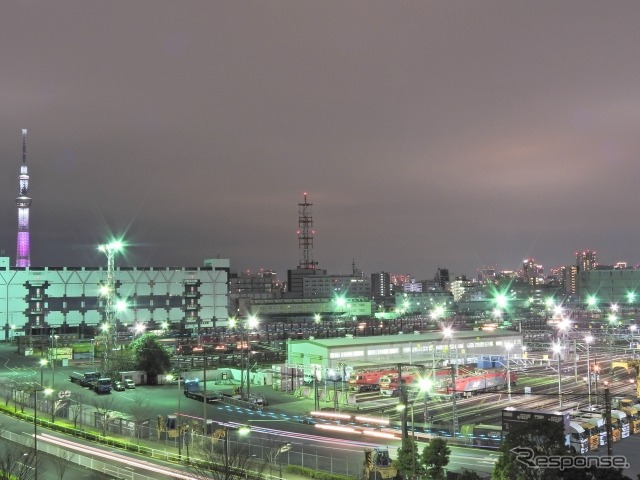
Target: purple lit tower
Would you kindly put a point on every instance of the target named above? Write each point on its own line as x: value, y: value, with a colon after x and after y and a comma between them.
x: 23, y: 201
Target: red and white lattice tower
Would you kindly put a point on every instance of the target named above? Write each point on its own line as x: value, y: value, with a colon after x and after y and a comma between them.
x: 305, y: 234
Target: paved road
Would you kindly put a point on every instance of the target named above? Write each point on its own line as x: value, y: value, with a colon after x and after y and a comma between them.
x: 48, y: 465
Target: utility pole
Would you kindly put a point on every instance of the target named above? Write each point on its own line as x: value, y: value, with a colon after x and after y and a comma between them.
x: 454, y: 413
x: 607, y: 412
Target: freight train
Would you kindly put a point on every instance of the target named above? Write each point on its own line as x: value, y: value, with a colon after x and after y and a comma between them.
x: 470, y: 383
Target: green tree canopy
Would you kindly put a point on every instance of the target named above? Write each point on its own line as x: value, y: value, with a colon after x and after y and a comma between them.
x: 150, y: 356
x: 469, y: 475
x: 435, y: 457
x: 543, y: 438
x: 404, y: 462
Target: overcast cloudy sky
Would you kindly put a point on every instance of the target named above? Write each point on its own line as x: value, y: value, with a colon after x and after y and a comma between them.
x: 426, y: 133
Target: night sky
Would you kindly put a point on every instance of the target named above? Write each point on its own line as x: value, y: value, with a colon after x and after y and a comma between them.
x: 426, y: 133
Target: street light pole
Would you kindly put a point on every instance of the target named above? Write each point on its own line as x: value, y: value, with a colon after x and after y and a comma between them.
x: 558, y: 349
x: 448, y: 333
x: 53, y: 356
x: 508, y: 349
x: 93, y: 354
x: 43, y: 362
x: 242, y: 430
x: 179, y: 424
x: 35, y: 433
x: 285, y: 448
x: 110, y: 250
x: 588, y: 340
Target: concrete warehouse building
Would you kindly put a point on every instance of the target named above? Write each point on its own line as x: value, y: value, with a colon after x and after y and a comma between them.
x: 69, y: 298
x: 462, y: 347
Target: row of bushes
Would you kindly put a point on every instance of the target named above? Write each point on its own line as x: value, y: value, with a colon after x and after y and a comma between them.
x: 316, y: 474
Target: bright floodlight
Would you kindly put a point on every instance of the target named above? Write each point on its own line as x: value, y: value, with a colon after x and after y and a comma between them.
x: 426, y: 384
x: 140, y: 327
x: 614, y: 307
x: 104, y: 290
x: 588, y: 339
x: 564, y: 324
x: 121, y: 305
x: 508, y: 346
x: 501, y: 301
x: 48, y: 391
x: 613, y: 318
x: 232, y: 322
x: 447, y: 332
x: 43, y: 362
x: 631, y: 297
x: 592, y: 301
x: 253, y: 321
x: 632, y: 328
x: 317, y: 317
x: 437, y: 312
x: 104, y: 327
x: 557, y: 348
x: 244, y: 430
x: 341, y: 302
x: 111, y: 247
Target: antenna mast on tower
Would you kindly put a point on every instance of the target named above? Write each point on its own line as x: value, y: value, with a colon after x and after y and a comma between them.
x: 305, y: 234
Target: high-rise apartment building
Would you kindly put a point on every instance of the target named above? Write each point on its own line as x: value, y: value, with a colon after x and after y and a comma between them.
x: 586, y: 260
x: 442, y: 278
x: 381, y: 286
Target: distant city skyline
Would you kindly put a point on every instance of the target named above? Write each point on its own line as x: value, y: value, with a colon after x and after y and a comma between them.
x: 427, y: 134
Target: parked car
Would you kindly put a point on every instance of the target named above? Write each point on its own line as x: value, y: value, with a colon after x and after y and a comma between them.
x: 118, y: 386
x: 128, y: 383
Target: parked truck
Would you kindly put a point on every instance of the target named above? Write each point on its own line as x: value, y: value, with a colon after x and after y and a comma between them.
x: 619, y: 420
x: 192, y: 389
x: 595, y: 428
x: 628, y: 406
x: 102, y: 385
x: 576, y: 438
x: 84, y: 379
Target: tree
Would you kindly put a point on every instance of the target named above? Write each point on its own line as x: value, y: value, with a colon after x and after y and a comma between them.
x: 122, y: 360
x: 224, y: 459
x: 435, y: 457
x: 104, y: 409
x: 77, y: 407
x: 17, y: 461
x: 141, y: 412
x: 593, y: 473
x: 150, y: 356
x: 407, y: 460
x: 469, y: 475
x: 61, y: 462
x: 543, y: 438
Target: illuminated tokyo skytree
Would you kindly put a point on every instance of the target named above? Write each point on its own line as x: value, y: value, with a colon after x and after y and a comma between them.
x: 23, y: 201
